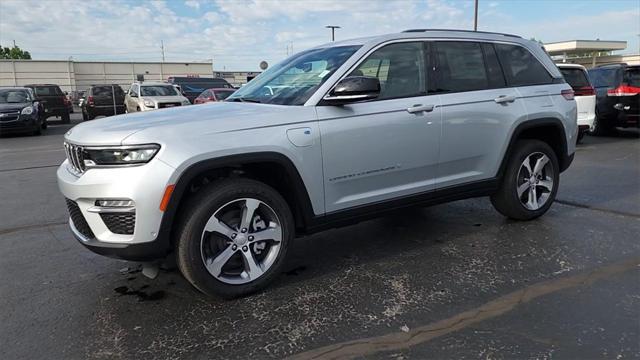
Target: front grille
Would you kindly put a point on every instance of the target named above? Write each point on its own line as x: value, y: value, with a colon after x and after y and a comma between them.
x: 75, y: 155
x: 78, y: 219
x: 122, y: 223
x: 166, y: 105
x: 9, y: 116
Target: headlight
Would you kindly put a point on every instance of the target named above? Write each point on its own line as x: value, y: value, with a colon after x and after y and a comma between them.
x: 149, y: 103
x: 120, y: 155
x: 27, y: 111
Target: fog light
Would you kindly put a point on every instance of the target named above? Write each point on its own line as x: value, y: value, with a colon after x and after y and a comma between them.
x: 114, y: 203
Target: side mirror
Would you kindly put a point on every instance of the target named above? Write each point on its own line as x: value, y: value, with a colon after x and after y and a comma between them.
x: 352, y: 89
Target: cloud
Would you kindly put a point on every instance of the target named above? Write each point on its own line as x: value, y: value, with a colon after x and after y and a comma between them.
x: 193, y: 4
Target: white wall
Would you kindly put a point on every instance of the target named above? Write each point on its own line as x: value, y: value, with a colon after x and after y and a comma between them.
x: 78, y: 75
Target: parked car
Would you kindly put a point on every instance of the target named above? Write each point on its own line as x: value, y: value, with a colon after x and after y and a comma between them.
x: 192, y: 87
x: 53, y: 100
x: 212, y: 95
x: 354, y: 129
x: 576, y: 75
x: 617, y: 96
x: 105, y: 100
x: 147, y: 96
x: 20, y: 111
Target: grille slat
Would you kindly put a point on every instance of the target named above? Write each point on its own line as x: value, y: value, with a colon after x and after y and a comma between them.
x: 78, y: 219
x: 123, y: 223
x: 75, y: 155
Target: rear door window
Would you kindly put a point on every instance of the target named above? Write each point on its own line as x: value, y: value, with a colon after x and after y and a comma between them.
x: 576, y: 77
x: 460, y: 67
x: 521, y: 68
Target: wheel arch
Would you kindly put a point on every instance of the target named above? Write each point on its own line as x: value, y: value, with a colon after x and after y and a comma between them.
x: 272, y: 168
x: 549, y: 130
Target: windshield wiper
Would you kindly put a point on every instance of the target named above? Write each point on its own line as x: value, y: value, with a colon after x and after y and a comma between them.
x: 245, y: 99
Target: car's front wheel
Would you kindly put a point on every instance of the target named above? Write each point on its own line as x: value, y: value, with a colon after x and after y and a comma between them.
x: 530, y: 181
x: 234, y: 237
x: 66, y: 119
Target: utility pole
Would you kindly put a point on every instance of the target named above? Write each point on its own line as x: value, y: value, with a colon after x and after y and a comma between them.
x: 162, y: 48
x: 475, y: 17
x: 14, y: 43
x: 333, y: 31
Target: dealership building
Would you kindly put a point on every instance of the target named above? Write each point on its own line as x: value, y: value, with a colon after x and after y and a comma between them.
x: 79, y: 75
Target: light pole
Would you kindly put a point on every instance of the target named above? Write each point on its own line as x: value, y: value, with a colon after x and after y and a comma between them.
x: 475, y: 17
x: 333, y: 31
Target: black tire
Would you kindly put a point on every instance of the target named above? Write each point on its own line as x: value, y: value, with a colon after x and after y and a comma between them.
x: 66, y: 119
x: 85, y: 117
x: 506, y: 200
x: 200, y: 208
x: 580, y: 136
x: 37, y: 131
x: 601, y: 126
x: 90, y: 116
x: 44, y: 124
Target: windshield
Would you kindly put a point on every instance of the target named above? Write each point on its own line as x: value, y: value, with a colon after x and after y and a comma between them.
x: 158, y: 90
x: 48, y: 91
x: 13, y: 96
x: 604, y: 77
x: 295, y: 79
x: 198, y: 87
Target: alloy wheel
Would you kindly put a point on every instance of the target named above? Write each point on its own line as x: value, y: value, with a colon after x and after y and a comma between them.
x: 535, y: 181
x: 241, y: 241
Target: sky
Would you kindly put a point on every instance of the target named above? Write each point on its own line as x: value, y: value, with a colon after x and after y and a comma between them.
x: 239, y: 34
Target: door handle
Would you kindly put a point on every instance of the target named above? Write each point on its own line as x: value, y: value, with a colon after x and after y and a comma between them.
x: 420, y: 108
x: 504, y: 99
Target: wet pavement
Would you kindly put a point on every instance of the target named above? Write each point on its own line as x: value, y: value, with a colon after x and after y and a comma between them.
x: 450, y: 281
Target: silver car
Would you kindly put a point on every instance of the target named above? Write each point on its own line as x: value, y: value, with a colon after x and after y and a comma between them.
x: 145, y: 96
x: 332, y: 135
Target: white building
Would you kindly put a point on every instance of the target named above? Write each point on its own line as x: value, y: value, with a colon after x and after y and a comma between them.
x: 590, y: 53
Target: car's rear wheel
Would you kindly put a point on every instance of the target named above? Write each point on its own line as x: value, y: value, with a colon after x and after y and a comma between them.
x: 530, y: 181
x: 601, y: 126
x: 234, y: 237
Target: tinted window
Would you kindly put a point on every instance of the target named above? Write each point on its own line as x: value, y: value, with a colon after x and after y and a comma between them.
x: 400, y: 68
x: 460, y: 67
x: 221, y: 95
x: 604, y: 77
x: 494, y: 71
x: 520, y: 67
x: 575, y: 77
x: 200, y: 86
x: 102, y: 91
x: 632, y: 76
x: 48, y: 90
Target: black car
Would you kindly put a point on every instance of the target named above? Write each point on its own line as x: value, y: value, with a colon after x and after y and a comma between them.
x: 19, y: 111
x: 617, y: 96
x: 192, y: 87
x: 53, y: 101
x: 105, y: 100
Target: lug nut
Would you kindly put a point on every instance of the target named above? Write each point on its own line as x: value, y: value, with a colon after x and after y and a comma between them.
x: 244, y: 248
x: 233, y: 236
x: 234, y: 247
x: 243, y: 230
x: 250, y: 237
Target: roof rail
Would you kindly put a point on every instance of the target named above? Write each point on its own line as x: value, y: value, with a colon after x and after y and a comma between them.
x: 466, y: 31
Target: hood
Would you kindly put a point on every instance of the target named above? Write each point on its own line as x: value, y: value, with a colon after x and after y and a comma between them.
x: 11, y: 107
x: 159, y: 126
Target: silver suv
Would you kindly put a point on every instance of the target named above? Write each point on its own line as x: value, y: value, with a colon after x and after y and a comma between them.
x: 332, y: 135
x: 147, y: 96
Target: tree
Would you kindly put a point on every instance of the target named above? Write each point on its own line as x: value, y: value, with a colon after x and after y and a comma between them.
x: 14, y: 53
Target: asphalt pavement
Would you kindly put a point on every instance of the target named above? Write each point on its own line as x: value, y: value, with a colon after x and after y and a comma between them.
x: 451, y: 281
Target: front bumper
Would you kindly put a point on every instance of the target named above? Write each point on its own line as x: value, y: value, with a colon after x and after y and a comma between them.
x: 144, y: 185
x: 21, y: 124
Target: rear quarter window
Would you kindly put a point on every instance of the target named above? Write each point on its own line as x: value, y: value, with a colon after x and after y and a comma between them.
x: 521, y: 68
x: 632, y: 76
x: 604, y: 77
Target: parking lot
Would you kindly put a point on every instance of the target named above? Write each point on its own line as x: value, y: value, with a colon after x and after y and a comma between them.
x: 450, y: 281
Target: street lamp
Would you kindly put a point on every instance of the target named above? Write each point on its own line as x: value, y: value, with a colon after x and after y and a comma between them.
x: 333, y: 31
